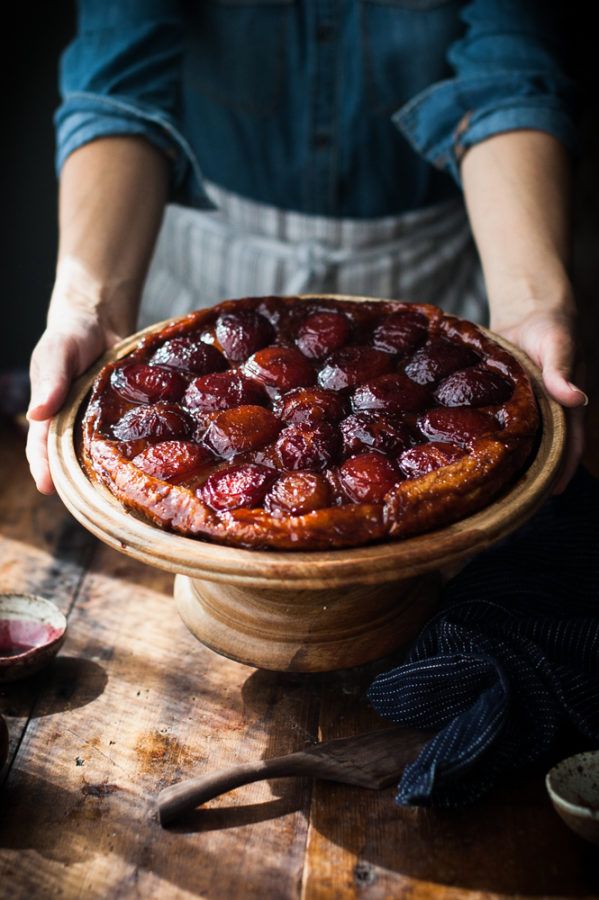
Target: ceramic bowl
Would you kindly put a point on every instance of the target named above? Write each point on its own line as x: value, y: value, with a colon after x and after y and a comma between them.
x: 573, y: 786
x: 32, y: 631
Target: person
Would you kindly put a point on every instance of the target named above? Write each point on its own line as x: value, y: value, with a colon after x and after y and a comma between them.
x: 303, y: 145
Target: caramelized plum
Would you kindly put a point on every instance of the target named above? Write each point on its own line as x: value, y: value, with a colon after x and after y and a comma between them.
x: 425, y: 458
x: 280, y: 368
x: 307, y: 446
x: 298, y: 493
x: 461, y: 424
x: 223, y: 390
x: 367, y: 478
x: 158, y: 422
x: 190, y: 355
x: 242, y: 428
x: 351, y: 366
x: 401, y: 332
x: 437, y: 359
x: 322, y: 333
x: 173, y: 461
x: 309, y: 405
x: 373, y: 431
x: 393, y: 393
x: 237, y: 487
x: 477, y: 386
x: 243, y: 332
x: 141, y: 383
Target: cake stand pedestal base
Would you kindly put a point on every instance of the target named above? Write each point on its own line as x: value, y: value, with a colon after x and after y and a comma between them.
x: 306, y: 630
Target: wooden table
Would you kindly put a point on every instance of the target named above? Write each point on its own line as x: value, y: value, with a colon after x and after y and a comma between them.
x: 134, y: 703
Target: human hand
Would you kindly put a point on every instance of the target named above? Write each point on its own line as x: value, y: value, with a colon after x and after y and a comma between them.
x: 547, y: 336
x: 68, y: 346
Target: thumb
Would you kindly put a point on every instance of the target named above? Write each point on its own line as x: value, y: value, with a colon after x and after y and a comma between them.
x: 53, y: 364
x: 556, y: 360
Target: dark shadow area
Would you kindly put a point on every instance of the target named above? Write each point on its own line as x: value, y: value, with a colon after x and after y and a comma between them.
x: 68, y: 683
x: 288, y: 801
x: 511, y: 843
x: 29, y: 189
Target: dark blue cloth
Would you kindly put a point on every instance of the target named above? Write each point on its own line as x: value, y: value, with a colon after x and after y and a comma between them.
x: 346, y: 108
x: 510, y: 661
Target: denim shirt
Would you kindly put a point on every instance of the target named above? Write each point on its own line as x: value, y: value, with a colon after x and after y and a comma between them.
x: 359, y: 108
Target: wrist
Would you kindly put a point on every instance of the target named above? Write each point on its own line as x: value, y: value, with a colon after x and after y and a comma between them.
x: 82, y: 300
x: 527, y: 296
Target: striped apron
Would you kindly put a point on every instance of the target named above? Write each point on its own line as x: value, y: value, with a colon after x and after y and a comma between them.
x: 244, y: 248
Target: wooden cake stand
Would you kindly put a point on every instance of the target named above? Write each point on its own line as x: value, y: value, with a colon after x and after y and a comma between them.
x: 305, y: 611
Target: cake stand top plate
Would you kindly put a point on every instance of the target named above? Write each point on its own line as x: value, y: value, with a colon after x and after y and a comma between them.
x: 98, y: 511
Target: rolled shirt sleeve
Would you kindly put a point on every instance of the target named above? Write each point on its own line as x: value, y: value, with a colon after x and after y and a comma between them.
x: 507, y: 77
x: 121, y: 76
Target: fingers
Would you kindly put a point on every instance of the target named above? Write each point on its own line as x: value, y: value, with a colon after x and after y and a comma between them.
x: 37, y: 456
x: 556, y: 361
x: 53, y: 364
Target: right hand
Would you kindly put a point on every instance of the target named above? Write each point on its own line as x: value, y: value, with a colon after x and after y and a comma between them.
x: 65, y: 350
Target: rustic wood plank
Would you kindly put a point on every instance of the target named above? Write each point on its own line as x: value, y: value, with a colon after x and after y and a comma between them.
x: 42, y: 551
x: 362, y: 845
x: 150, y: 705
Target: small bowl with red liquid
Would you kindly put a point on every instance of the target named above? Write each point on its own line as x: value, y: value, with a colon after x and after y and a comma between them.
x: 32, y: 631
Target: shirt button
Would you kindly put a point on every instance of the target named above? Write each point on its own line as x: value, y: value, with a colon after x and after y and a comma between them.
x: 325, y: 32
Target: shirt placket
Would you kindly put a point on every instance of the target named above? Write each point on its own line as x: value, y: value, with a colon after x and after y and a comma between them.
x: 321, y: 186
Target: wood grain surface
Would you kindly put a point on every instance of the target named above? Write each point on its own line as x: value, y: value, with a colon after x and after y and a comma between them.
x: 134, y: 703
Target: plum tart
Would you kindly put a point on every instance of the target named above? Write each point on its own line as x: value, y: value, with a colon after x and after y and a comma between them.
x: 310, y: 423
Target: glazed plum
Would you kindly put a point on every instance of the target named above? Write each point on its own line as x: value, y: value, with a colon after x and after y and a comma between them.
x: 280, y: 369
x: 242, y: 333
x: 173, y: 461
x: 307, y: 446
x: 243, y: 428
x: 368, y: 477
x: 393, y: 393
x: 477, y: 386
x: 373, y: 431
x: 159, y: 422
x: 237, y: 487
x: 223, y: 390
x: 322, y: 333
x: 141, y: 383
x: 298, y: 493
x: 190, y: 355
x: 401, y: 333
x: 437, y: 359
x: 426, y: 458
x: 309, y: 405
x: 350, y: 366
x: 461, y: 424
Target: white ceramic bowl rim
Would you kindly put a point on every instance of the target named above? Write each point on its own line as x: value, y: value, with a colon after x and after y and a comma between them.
x: 31, y: 608
x: 589, y: 812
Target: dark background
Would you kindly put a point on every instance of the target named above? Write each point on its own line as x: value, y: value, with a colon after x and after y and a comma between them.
x: 28, y: 180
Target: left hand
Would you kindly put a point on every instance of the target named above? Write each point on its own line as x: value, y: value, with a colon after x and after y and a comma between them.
x: 547, y: 336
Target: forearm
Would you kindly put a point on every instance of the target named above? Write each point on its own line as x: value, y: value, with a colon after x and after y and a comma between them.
x: 517, y: 191
x: 112, y: 196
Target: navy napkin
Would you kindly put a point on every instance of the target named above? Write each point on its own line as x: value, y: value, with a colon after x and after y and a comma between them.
x: 511, y: 659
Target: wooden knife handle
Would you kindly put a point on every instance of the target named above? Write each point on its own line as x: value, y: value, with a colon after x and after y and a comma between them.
x: 180, y: 798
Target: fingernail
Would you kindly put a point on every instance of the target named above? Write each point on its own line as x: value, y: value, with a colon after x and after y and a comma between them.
x: 578, y: 391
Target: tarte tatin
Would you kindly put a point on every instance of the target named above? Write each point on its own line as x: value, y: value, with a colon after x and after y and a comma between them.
x: 310, y: 424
